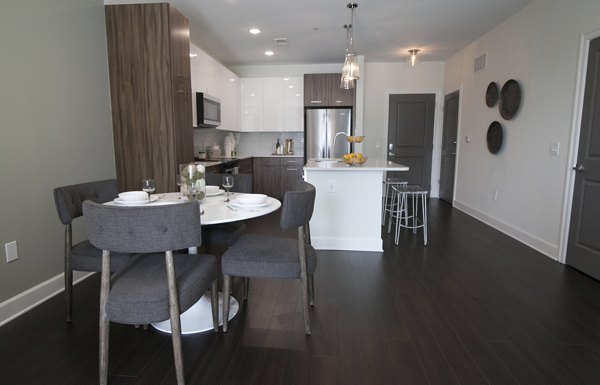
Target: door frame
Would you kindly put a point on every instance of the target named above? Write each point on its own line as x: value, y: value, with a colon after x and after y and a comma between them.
x: 458, y: 137
x: 438, y: 116
x: 584, y: 46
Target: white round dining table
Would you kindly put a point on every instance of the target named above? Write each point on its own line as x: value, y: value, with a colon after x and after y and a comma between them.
x: 215, y: 210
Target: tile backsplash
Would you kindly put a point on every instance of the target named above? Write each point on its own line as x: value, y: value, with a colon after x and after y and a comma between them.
x: 248, y: 143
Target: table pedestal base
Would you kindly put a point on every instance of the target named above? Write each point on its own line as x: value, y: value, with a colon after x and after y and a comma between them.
x: 198, y: 318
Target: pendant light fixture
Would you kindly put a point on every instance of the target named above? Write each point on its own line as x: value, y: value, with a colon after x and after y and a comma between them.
x: 350, y: 71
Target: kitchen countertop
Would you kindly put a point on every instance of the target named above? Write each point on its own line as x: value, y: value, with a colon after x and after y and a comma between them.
x: 214, y: 162
x: 339, y: 165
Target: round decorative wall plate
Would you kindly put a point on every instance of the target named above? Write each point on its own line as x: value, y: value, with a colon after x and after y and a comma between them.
x: 491, y: 94
x: 494, y: 137
x: 510, y: 99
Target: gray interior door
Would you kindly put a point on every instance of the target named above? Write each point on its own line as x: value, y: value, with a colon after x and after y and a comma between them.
x: 448, y: 161
x: 410, y: 136
x: 583, y: 249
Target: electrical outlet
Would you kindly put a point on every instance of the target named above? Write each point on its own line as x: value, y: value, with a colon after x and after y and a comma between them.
x: 554, y: 148
x: 467, y: 139
x: 11, y: 251
x: 331, y: 187
x: 495, y: 194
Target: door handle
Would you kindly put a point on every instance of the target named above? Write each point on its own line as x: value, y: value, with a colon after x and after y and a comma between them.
x: 578, y: 168
x: 391, y: 154
x: 453, y: 153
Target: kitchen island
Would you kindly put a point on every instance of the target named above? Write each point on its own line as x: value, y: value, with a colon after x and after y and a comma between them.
x: 347, y: 213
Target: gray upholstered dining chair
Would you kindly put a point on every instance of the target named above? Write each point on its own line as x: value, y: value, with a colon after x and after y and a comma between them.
x: 269, y: 256
x: 156, y: 284
x: 226, y: 234
x: 82, y: 256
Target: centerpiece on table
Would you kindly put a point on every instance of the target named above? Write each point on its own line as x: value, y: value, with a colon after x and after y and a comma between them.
x: 193, y: 184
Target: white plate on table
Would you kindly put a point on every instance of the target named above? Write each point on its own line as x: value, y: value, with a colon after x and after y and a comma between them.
x: 234, y: 202
x: 153, y: 198
x: 214, y: 193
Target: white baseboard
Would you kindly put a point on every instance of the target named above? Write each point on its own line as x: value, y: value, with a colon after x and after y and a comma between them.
x: 353, y: 244
x: 532, y: 241
x: 30, y: 298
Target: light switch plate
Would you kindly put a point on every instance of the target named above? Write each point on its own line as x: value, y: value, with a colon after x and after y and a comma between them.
x: 11, y: 251
x: 554, y: 148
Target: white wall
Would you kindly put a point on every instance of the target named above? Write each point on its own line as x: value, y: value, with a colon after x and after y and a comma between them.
x: 55, y: 124
x: 539, y: 47
x: 384, y: 79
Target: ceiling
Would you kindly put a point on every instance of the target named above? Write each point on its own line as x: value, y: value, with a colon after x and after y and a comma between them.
x: 383, y: 29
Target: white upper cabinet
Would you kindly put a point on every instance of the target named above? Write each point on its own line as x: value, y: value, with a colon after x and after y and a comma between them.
x: 252, y: 104
x: 214, y: 79
x: 293, y: 104
x: 271, y: 104
x: 230, y: 101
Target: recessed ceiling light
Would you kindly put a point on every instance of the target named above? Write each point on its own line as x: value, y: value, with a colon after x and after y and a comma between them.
x: 254, y: 30
x: 193, y: 54
x: 269, y: 53
x: 232, y: 79
x: 286, y: 79
x: 290, y: 86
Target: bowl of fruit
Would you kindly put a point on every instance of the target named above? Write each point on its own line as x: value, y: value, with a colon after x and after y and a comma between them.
x: 354, y: 159
x: 355, y: 139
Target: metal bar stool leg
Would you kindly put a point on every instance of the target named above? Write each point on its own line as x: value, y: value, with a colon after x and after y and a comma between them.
x: 384, y: 203
x: 424, y: 204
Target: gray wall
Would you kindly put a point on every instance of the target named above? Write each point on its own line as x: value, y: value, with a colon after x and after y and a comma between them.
x: 55, y: 126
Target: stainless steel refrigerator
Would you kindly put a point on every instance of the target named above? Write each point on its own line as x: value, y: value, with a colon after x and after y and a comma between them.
x: 322, y: 125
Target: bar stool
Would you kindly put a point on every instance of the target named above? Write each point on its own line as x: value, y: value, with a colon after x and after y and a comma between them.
x: 387, y: 206
x: 407, y: 215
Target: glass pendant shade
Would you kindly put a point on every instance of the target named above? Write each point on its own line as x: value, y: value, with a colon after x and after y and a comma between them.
x: 350, y: 71
x: 347, y: 84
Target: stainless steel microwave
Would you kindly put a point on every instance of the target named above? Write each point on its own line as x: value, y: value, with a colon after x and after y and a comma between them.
x: 208, y: 111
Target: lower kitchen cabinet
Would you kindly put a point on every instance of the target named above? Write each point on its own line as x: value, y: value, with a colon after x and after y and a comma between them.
x: 274, y: 176
x: 245, y: 166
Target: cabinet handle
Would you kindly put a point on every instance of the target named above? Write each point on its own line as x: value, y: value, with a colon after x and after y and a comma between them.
x: 292, y: 161
x: 316, y: 101
x: 291, y: 169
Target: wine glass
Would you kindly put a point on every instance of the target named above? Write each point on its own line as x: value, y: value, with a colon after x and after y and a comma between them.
x: 179, y: 182
x: 148, y: 187
x: 227, y: 183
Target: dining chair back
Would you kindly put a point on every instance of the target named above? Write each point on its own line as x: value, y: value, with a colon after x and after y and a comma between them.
x: 270, y: 256
x: 157, y: 284
x: 82, y: 256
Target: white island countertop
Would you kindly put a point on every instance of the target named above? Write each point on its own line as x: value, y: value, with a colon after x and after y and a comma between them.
x: 339, y: 165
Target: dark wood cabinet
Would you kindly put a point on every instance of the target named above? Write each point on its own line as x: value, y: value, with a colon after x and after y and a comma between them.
x: 323, y: 90
x: 150, y: 85
x: 246, y: 166
x: 215, y: 169
x: 274, y: 176
x: 291, y: 172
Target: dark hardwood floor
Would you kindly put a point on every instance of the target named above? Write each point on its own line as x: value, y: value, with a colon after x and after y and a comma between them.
x: 474, y: 307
